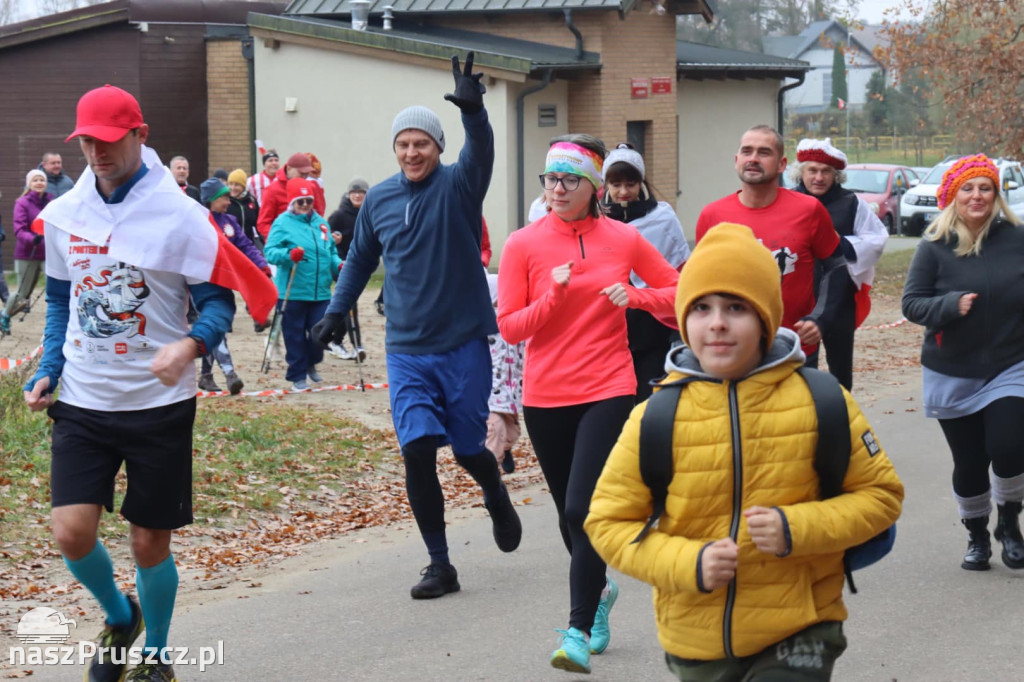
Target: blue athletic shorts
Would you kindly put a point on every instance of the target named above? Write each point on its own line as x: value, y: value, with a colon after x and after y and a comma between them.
x: 443, y: 395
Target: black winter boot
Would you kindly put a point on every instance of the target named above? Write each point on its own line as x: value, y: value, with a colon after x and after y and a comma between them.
x: 979, y: 546
x: 1008, y: 533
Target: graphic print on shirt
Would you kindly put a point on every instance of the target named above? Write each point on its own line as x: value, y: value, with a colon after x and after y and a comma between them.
x: 109, y: 301
x: 785, y: 259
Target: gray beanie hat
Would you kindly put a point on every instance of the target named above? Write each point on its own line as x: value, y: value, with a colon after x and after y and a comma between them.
x: 420, y: 118
x: 357, y: 185
x: 211, y: 189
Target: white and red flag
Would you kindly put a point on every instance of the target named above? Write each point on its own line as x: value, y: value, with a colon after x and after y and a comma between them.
x: 157, y: 227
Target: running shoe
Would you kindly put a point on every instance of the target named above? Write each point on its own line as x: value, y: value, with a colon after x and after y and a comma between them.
x: 573, y: 652
x: 300, y: 385
x: 314, y: 376
x: 152, y: 672
x: 102, y: 667
x: 601, y: 633
x: 438, y: 580
x: 507, y: 528
x: 206, y: 383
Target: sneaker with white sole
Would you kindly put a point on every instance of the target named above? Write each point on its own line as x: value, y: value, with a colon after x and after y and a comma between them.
x: 300, y: 385
x: 339, y: 351
x: 314, y: 376
x: 111, y: 657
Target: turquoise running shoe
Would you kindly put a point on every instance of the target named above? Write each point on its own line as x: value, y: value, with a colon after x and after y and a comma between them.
x: 601, y: 633
x: 573, y: 652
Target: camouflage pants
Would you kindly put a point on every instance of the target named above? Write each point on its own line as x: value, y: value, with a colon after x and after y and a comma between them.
x: 807, y: 656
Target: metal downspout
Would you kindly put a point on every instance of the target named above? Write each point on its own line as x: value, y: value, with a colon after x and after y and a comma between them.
x: 781, y: 123
x: 575, y: 31
x: 520, y: 150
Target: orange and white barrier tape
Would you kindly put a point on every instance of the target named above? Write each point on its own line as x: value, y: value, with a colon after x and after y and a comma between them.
x: 891, y: 325
x: 285, y: 391
x: 11, y: 363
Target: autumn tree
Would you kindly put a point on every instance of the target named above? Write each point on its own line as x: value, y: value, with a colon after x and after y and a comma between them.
x: 970, y: 56
x: 876, y: 108
x: 741, y: 24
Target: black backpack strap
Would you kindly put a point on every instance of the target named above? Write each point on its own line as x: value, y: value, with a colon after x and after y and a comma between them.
x: 656, y: 465
x: 832, y: 456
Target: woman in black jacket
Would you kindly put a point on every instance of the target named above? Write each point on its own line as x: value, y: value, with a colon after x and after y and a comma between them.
x: 966, y: 287
x: 244, y: 206
x: 343, y: 226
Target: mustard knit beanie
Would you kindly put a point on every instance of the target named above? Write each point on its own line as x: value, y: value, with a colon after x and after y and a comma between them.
x: 730, y: 260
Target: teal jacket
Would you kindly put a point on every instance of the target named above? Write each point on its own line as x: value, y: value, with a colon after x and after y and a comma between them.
x: 318, y: 267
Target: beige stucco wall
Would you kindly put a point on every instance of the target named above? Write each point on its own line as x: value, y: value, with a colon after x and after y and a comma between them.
x: 346, y: 119
x: 712, y: 117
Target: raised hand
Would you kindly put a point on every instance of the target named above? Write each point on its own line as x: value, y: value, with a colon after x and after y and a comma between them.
x: 562, y: 274
x: 469, y: 91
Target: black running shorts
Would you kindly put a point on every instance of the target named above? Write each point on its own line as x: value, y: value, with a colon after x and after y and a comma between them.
x: 156, y: 446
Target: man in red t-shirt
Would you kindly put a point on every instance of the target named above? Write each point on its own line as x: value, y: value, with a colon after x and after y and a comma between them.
x: 796, y: 229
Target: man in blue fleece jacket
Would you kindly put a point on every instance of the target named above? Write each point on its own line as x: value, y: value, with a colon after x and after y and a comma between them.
x: 117, y: 341
x: 425, y: 223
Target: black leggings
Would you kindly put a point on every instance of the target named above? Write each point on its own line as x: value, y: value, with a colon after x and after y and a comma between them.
x: 572, y: 444
x: 838, y: 338
x: 989, y: 436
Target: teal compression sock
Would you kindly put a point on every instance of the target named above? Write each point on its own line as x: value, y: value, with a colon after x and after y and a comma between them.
x: 158, y: 586
x: 96, y: 572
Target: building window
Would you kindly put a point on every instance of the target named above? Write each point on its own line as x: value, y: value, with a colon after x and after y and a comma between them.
x: 826, y: 88
x: 547, y: 115
x: 636, y: 135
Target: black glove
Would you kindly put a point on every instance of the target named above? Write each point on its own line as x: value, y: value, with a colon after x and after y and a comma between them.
x: 330, y: 329
x: 469, y: 91
x: 37, y: 239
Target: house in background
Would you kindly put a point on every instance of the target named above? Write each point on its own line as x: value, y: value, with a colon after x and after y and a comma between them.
x: 816, y: 45
x: 183, y: 60
x: 607, y: 67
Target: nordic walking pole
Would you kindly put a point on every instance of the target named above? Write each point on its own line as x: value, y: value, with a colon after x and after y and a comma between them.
x: 359, y: 359
x: 274, y: 327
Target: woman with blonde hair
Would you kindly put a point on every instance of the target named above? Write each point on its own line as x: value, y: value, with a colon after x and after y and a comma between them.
x: 29, y: 249
x: 966, y: 287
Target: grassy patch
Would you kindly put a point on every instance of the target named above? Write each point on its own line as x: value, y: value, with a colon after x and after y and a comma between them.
x: 251, y: 459
x: 890, y: 273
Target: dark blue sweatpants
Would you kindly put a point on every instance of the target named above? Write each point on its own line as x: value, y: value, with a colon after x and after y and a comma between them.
x: 302, y: 351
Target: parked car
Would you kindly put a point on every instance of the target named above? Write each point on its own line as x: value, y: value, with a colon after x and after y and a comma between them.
x: 920, y: 206
x: 881, y: 185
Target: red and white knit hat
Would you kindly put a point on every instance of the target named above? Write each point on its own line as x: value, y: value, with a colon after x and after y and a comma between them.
x: 820, y: 151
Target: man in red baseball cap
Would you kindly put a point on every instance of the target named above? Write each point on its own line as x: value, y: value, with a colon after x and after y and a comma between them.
x: 275, y: 196
x: 122, y: 251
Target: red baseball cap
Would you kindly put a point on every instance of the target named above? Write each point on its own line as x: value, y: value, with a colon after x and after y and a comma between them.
x: 107, y: 114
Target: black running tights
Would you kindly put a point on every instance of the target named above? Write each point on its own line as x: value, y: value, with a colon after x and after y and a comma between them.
x: 990, y: 436
x: 572, y: 444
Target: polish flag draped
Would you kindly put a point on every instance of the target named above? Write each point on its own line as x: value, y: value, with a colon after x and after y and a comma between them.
x: 157, y: 227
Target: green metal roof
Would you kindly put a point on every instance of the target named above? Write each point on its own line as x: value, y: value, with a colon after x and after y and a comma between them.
x: 519, y: 56
x: 328, y: 8
x: 706, y: 61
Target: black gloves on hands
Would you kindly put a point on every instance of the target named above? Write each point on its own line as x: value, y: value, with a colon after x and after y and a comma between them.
x: 37, y: 240
x: 469, y: 91
x: 330, y: 329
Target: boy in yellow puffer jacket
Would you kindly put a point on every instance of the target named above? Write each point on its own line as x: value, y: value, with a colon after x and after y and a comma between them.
x: 747, y: 561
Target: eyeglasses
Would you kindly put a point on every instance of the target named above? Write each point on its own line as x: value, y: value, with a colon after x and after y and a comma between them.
x: 307, y: 201
x: 570, y: 183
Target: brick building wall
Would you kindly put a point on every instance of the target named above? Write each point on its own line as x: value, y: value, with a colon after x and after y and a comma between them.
x: 227, y: 93
x: 641, y: 45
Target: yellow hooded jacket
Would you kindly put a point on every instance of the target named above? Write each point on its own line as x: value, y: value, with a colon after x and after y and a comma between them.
x: 737, y: 445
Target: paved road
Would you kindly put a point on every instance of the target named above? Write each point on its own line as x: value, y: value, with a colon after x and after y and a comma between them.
x: 901, y: 244
x: 342, y: 612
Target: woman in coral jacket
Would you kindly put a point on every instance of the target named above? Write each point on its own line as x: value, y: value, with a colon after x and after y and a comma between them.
x: 563, y: 286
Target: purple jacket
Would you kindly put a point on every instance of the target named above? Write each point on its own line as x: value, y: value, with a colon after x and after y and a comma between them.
x: 26, y: 208
x: 238, y: 238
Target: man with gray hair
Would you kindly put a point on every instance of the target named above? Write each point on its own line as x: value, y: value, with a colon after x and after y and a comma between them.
x: 179, y: 169
x: 425, y: 222
x: 820, y: 172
